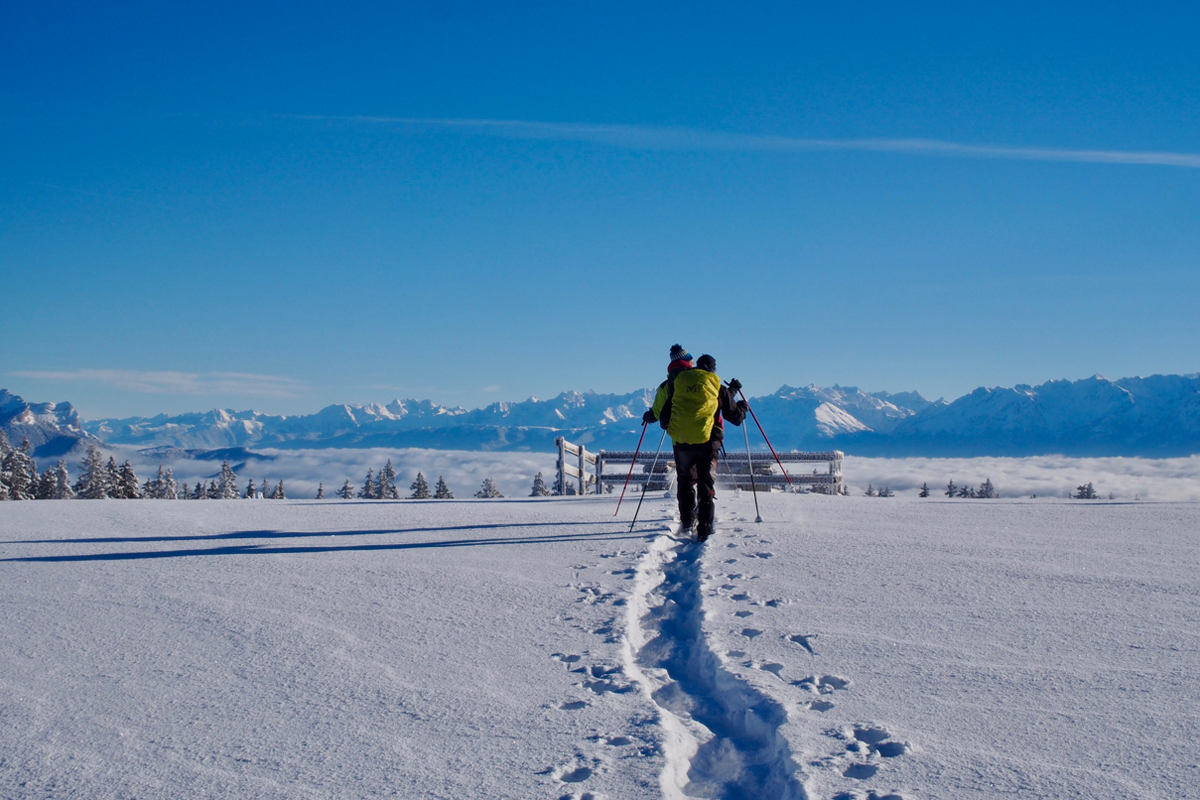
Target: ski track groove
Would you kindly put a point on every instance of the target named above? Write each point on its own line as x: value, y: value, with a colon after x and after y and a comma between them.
x: 722, y: 736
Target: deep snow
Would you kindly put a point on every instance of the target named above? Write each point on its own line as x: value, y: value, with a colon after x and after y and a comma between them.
x: 536, y: 648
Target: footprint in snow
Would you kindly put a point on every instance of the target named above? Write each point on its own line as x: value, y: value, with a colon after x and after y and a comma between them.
x: 803, y: 640
x: 577, y: 775
x: 566, y: 659
x: 750, y: 633
x: 743, y: 613
x: 865, y: 746
x: 825, y: 684
x: 574, y: 705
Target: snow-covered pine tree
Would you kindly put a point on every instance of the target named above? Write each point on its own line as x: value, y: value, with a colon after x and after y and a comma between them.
x: 62, y: 482
x: 279, y: 493
x: 539, y: 487
x: 112, y: 478
x: 387, y: 483
x: 130, y: 488
x: 442, y: 491
x: 951, y: 489
x: 986, y: 490
x: 420, y: 488
x: 320, y: 491
x: 93, y: 476
x: 170, y: 491
x: 488, y: 490
x: 886, y: 492
x: 227, y: 483
x: 45, y: 488
x: 250, y: 490
x: 370, y: 486
x: 198, y: 493
x: 5, y: 447
x: 924, y: 490
x: 1085, y: 492
x: 346, y: 492
x: 964, y: 491
x: 20, y: 473
x: 156, y: 487
x: 870, y: 492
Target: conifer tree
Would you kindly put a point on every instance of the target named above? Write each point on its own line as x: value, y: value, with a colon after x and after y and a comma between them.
x: 93, y: 476
x: 170, y: 491
x: 986, y: 490
x: 488, y: 490
x: 280, y: 494
x: 20, y: 473
x: 346, y: 492
x: 442, y: 491
x: 539, y: 487
x: 45, y: 487
x: 924, y: 490
x: 5, y: 447
x: 112, y: 478
x: 62, y: 482
x: 370, y: 487
x: 387, y: 483
x: 227, y: 486
x: 951, y: 489
x: 250, y: 490
x: 870, y: 492
x: 420, y: 488
x: 128, y: 481
x: 198, y: 493
x: 156, y: 487
x: 320, y: 491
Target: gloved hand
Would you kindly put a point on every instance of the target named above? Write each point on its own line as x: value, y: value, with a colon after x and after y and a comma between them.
x: 735, y: 386
x: 649, y: 417
x: 743, y: 406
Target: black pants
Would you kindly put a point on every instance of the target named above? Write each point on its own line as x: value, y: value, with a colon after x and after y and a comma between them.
x: 696, y: 466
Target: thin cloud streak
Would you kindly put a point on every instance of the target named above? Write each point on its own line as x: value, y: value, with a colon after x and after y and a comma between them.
x: 642, y: 137
x: 186, y: 383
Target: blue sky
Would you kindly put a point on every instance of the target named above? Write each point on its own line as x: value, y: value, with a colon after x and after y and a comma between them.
x: 284, y: 206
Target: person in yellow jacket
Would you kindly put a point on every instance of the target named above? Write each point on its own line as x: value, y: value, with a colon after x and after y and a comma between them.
x: 692, y: 406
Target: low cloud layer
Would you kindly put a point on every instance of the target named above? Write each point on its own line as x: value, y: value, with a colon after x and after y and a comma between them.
x: 1044, y: 476
x: 1168, y: 479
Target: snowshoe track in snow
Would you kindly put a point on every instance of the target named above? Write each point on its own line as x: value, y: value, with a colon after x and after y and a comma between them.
x: 723, y: 736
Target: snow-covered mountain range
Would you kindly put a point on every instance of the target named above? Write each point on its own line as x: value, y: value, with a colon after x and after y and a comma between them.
x: 1157, y: 416
x: 51, y: 428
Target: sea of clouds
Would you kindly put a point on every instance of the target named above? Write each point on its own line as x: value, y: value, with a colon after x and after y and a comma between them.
x: 464, y: 471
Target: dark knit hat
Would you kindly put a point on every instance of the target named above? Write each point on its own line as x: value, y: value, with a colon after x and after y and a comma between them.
x: 679, y: 354
x: 707, y: 362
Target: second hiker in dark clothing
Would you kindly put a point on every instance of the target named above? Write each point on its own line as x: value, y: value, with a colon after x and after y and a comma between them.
x: 692, y: 406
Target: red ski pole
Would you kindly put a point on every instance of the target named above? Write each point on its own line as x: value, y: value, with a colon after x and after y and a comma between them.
x: 764, y: 435
x: 630, y: 475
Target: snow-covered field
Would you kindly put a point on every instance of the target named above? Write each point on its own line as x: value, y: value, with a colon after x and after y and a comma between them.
x: 844, y: 648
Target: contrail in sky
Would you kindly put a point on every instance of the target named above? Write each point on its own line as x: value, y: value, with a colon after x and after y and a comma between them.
x: 646, y: 137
